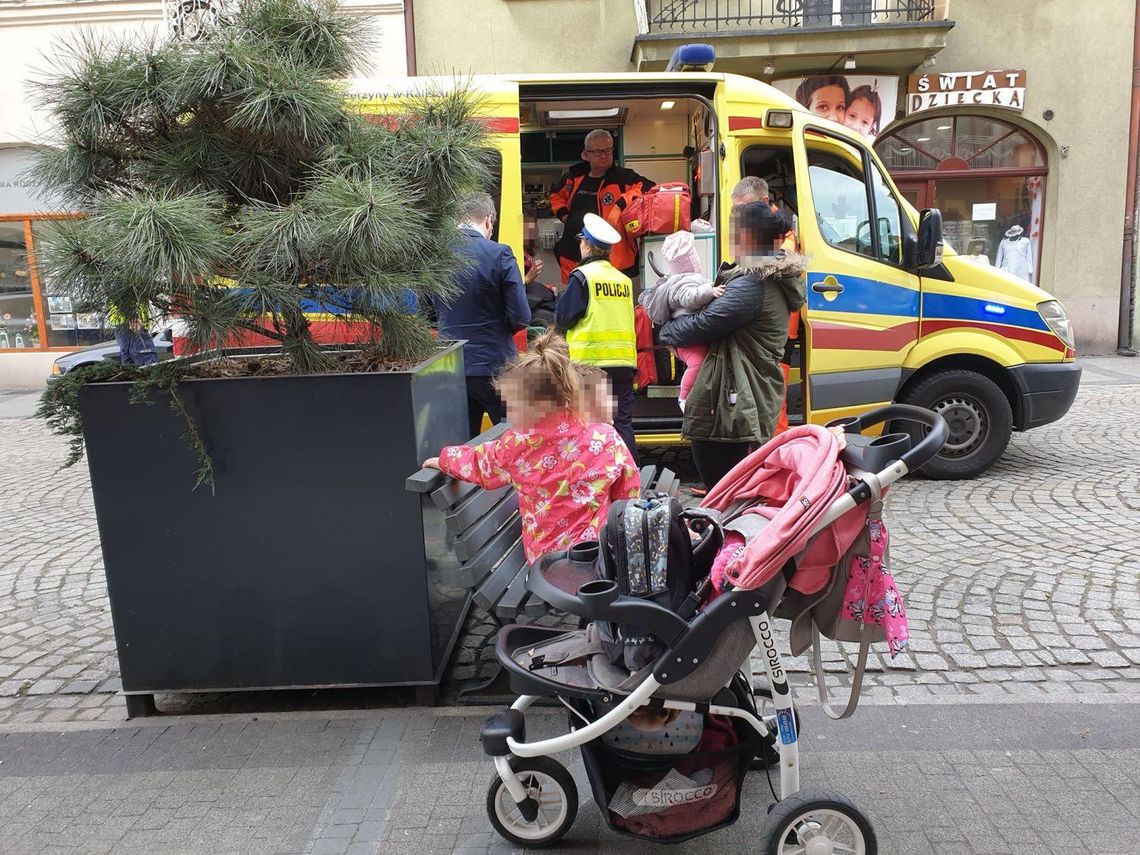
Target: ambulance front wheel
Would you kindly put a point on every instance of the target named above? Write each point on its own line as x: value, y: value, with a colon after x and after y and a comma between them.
x: 979, y: 417
x: 817, y: 822
x: 552, y: 803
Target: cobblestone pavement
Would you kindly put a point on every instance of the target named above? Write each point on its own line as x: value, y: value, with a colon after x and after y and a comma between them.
x: 1021, y: 585
x: 936, y: 780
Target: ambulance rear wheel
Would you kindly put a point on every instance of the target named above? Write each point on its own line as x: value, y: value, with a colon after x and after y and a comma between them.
x: 978, y: 414
x: 817, y: 822
x: 552, y: 800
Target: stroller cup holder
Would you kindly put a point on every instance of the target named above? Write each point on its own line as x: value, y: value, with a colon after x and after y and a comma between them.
x: 565, y: 572
x: 598, y: 594
x: 583, y: 553
x: 872, y: 453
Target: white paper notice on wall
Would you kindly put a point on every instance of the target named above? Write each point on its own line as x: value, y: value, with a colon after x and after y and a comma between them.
x: 984, y: 211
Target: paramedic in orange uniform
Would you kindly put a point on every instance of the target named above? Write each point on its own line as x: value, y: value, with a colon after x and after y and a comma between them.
x: 593, y: 187
x: 753, y: 189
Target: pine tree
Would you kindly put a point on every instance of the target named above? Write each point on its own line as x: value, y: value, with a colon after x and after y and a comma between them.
x: 229, y: 183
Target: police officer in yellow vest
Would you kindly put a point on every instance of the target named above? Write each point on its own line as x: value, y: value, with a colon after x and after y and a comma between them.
x: 595, y: 312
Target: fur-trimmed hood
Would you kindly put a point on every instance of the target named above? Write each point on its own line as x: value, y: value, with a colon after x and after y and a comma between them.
x: 785, y: 270
x: 782, y: 264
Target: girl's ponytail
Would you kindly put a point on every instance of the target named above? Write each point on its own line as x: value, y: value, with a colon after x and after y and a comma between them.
x: 554, y: 354
x: 545, y: 372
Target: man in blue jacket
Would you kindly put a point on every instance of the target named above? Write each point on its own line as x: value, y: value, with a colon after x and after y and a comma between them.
x: 488, y: 308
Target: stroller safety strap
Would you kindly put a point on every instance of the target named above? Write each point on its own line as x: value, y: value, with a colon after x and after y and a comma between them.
x: 861, y: 608
x: 856, y: 677
x: 748, y: 525
x: 567, y: 655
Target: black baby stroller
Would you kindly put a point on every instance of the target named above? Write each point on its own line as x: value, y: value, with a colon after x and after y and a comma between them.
x: 659, y: 685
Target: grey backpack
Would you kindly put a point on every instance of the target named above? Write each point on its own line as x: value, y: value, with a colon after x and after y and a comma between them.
x: 647, y: 549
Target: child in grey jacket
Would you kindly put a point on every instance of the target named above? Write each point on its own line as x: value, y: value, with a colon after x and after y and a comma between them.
x: 684, y: 291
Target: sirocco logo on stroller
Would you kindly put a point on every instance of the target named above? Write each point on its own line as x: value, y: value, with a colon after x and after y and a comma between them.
x: 779, y: 682
x: 657, y: 798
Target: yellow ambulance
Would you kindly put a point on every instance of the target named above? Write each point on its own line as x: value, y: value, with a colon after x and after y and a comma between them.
x: 892, y: 314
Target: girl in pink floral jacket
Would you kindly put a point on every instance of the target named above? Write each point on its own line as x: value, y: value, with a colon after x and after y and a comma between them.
x: 565, y: 471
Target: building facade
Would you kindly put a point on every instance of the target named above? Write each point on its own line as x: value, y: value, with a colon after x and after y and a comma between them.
x: 977, y: 108
x: 35, y: 324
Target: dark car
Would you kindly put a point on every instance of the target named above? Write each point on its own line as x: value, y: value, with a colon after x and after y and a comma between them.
x: 108, y: 350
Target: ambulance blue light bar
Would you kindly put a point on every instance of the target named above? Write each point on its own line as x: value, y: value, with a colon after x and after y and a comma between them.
x: 692, y: 58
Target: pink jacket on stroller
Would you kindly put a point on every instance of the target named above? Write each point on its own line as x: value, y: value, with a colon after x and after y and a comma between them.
x: 788, y: 483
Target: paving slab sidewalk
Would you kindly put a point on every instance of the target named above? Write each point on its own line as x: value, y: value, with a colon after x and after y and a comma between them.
x: 987, y: 780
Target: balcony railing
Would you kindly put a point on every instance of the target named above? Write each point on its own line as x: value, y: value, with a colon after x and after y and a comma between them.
x: 714, y: 15
x: 197, y: 20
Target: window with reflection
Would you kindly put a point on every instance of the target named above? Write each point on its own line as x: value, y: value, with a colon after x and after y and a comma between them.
x: 889, y: 216
x: 18, y: 321
x: 68, y: 324
x: 987, y: 176
x: 959, y: 142
x: 839, y: 194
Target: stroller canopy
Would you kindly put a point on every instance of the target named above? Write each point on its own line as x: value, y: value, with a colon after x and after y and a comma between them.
x: 784, y: 488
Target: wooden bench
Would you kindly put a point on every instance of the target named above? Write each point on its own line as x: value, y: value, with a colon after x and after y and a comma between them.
x: 484, y: 531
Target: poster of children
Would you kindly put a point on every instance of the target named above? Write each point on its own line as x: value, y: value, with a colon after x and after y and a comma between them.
x: 866, y: 103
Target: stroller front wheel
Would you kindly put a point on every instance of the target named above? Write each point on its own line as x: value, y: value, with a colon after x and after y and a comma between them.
x: 552, y: 800
x: 818, y: 822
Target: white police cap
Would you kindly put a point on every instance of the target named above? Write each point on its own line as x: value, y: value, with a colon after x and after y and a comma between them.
x: 598, y: 232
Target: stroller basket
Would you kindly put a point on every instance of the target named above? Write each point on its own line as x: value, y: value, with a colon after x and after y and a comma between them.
x: 672, y: 799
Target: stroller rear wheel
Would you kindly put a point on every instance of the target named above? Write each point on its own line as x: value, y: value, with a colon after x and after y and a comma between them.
x: 818, y: 822
x: 552, y: 801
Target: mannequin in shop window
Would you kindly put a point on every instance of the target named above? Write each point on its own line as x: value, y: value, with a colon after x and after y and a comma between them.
x: 978, y: 252
x: 1015, y: 254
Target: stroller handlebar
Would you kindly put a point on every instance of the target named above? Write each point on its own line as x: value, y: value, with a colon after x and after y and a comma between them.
x: 912, y: 458
x: 883, y: 460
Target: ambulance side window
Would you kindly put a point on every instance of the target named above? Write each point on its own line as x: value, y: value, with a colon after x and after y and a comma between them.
x: 839, y: 193
x: 775, y: 165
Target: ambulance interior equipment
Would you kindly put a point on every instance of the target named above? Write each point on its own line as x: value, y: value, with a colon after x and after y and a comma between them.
x: 665, y: 139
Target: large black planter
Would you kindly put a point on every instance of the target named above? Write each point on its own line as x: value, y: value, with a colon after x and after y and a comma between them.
x: 310, y: 565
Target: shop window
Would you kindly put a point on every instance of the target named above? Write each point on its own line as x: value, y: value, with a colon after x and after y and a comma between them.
x: 31, y: 316
x: 68, y: 325
x: 959, y: 142
x: 986, y: 143
x: 18, y: 321
x: 988, y: 177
